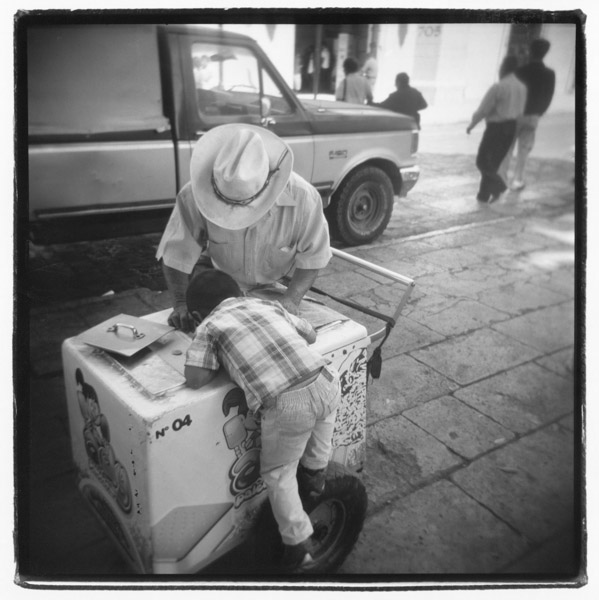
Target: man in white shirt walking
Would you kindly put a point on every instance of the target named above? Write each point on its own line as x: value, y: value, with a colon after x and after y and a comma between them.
x: 501, y: 106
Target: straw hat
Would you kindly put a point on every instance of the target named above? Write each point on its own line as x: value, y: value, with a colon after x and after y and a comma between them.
x: 237, y: 173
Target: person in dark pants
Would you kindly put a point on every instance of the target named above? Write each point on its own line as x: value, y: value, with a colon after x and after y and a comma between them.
x: 501, y: 106
x: 540, y: 83
x: 405, y: 99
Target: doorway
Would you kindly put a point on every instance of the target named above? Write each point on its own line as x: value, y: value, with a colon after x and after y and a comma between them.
x: 334, y: 43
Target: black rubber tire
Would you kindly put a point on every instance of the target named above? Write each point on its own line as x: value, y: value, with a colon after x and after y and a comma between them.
x: 362, y: 206
x: 344, y: 502
x: 337, y: 516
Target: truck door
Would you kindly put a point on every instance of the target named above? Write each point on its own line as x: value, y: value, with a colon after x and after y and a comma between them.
x: 229, y: 80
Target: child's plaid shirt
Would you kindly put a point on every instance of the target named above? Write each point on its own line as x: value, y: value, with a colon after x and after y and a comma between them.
x: 257, y: 342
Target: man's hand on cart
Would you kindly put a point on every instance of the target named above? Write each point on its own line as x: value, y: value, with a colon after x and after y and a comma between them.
x: 289, y: 305
x: 181, y: 319
x: 177, y: 283
x: 301, y: 281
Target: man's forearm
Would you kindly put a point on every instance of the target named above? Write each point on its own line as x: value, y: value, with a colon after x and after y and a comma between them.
x: 177, y: 283
x: 300, y: 283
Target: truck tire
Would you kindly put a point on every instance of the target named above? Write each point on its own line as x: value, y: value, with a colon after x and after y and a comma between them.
x: 337, y: 517
x: 362, y: 206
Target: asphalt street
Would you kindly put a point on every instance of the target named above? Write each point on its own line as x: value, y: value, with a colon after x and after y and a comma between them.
x: 473, y: 429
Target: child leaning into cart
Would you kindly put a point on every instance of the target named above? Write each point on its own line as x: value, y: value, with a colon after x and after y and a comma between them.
x: 265, y: 350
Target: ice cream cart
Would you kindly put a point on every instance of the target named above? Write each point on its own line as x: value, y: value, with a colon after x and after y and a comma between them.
x: 173, y: 473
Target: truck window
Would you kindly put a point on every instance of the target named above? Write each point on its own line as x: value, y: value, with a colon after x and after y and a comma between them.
x: 232, y: 85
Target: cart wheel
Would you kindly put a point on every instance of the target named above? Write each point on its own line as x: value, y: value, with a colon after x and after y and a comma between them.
x: 337, y: 517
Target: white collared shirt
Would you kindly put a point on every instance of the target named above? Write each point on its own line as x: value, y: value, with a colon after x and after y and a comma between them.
x: 504, y: 101
x: 294, y: 233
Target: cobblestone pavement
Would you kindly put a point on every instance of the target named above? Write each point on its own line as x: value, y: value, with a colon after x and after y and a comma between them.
x: 443, y: 198
x: 472, y: 429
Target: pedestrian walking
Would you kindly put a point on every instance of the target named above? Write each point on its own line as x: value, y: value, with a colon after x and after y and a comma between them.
x: 326, y: 64
x: 500, y: 108
x: 540, y: 84
x: 371, y: 67
x: 324, y: 70
x: 354, y: 88
x: 406, y: 99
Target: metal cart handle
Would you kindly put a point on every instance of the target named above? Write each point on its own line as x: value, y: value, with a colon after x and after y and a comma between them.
x: 396, y: 277
x: 136, y: 334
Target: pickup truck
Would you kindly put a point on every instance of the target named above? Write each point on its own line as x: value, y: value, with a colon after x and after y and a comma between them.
x: 114, y: 112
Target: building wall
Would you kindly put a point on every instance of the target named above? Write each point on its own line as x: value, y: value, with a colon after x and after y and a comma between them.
x: 452, y: 64
x: 562, y: 58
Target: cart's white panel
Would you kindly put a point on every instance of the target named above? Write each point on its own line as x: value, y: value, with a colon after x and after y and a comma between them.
x: 174, y: 477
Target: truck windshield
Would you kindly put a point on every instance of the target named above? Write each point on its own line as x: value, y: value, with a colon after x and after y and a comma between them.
x: 230, y: 82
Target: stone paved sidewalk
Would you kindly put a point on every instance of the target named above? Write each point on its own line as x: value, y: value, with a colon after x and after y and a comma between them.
x: 470, y: 442
x: 473, y: 426
x: 470, y: 427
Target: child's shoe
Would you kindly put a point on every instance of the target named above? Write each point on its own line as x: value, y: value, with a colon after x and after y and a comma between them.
x: 297, y: 557
x: 310, y: 482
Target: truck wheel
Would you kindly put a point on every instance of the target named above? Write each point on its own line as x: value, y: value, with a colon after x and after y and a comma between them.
x: 362, y: 206
x: 337, y: 517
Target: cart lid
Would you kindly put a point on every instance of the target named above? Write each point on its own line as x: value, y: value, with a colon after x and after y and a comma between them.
x: 317, y: 313
x: 124, y: 334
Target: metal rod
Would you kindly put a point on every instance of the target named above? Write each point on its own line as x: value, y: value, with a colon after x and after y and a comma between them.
x: 406, y: 281
x: 372, y: 267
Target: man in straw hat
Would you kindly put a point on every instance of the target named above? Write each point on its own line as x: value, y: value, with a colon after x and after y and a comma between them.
x: 246, y: 213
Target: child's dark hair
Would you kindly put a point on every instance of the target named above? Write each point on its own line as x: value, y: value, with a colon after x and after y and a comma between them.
x: 208, y: 289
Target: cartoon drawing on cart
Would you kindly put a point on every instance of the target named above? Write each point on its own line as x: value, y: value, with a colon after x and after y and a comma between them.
x: 96, y: 435
x: 242, y: 434
x: 350, y: 425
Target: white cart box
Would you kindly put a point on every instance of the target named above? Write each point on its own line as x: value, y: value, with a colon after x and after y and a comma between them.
x: 173, y: 473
